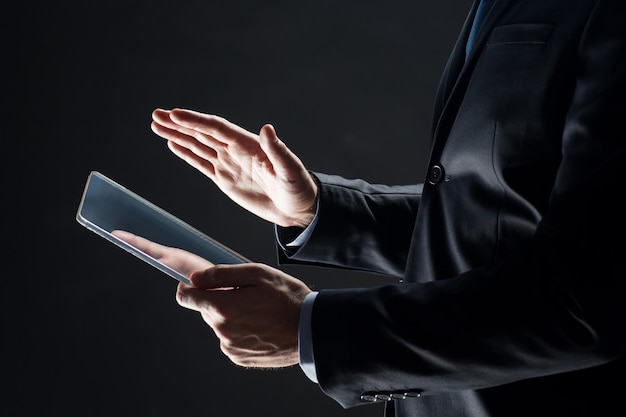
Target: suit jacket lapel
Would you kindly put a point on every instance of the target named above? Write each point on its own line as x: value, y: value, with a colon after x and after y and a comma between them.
x: 459, y: 69
x: 453, y: 66
x: 498, y: 8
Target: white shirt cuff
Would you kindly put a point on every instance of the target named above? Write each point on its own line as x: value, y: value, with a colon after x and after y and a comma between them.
x: 305, y: 342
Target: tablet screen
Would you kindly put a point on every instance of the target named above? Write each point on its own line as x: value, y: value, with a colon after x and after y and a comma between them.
x: 107, y: 206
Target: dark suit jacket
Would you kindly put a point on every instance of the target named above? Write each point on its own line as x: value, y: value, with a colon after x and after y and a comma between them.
x: 512, y: 252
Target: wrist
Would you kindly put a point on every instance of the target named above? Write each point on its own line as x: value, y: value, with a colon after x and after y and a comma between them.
x: 307, y: 217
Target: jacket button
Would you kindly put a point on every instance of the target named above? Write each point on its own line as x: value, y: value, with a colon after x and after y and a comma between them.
x: 368, y: 397
x: 435, y: 174
x: 383, y: 396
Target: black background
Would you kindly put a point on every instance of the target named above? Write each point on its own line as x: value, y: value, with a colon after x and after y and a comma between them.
x: 89, y: 330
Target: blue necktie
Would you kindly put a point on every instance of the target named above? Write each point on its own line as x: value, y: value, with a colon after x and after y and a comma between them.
x: 483, y: 8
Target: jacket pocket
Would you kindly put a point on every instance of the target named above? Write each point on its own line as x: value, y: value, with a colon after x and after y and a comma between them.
x: 521, y: 33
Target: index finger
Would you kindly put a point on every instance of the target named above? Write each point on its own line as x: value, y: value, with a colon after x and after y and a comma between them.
x: 212, y: 125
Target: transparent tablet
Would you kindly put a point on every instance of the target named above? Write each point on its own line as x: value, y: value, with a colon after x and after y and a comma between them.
x: 106, y: 206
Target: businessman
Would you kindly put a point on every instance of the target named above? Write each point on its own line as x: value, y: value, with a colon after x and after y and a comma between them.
x: 509, y: 253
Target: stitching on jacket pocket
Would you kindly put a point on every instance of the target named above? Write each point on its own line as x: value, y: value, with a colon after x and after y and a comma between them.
x: 521, y: 33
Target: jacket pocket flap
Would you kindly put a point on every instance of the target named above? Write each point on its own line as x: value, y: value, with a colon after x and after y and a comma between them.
x: 525, y: 33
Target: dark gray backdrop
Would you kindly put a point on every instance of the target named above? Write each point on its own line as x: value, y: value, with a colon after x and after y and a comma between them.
x: 89, y: 330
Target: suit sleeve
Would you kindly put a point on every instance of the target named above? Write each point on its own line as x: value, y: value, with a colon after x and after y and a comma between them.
x: 361, y: 226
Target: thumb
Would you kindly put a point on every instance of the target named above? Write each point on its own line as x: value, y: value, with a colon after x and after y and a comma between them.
x: 224, y: 277
x: 282, y: 159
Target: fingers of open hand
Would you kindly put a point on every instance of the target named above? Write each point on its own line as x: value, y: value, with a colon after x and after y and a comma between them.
x: 162, y: 117
x: 208, y: 124
x: 223, y: 163
x: 201, y: 164
x: 210, y: 130
x: 203, y: 145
